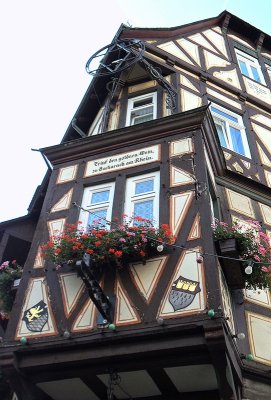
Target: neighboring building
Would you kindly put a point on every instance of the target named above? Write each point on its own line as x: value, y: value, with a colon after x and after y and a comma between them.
x: 185, y: 113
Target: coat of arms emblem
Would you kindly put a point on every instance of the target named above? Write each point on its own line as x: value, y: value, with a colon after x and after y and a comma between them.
x: 183, y: 292
x: 36, y: 317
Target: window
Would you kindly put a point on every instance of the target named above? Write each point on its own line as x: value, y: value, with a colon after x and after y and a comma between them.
x: 98, y: 200
x: 268, y: 67
x: 142, y: 197
x: 141, y: 109
x: 231, y: 130
x: 250, y: 66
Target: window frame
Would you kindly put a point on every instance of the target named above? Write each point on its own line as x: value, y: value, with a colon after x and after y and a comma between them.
x: 131, y: 108
x: 95, y: 126
x: 268, y: 70
x: 87, y: 205
x: 131, y: 198
x: 250, y: 61
x: 227, y: 122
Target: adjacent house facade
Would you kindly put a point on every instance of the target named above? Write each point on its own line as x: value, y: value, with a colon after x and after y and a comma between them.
x: 175, y: 127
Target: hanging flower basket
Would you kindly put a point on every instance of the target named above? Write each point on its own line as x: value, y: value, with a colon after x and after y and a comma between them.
x: 117, y: 246
x: 10, y: 275
x: 231, y: 264
x: 244, y: 252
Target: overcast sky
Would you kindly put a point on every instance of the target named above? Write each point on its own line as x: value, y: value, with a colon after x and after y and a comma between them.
x: 44, y: 49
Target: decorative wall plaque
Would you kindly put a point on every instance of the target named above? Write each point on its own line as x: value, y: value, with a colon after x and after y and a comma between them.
x: 124, y: 160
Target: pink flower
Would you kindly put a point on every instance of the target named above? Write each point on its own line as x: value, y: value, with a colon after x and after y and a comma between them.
x: 261, y: 250
x: 4, y: 265
x: 256, y: 257
x: 266, y: 269
x: 122, y: 240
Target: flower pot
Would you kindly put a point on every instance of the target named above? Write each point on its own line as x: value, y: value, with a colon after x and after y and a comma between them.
x: 231, y: 266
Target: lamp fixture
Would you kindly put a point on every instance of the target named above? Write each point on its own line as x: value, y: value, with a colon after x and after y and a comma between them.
x: 160, y: 248
x: 249, y: 267
x: 240, y: 336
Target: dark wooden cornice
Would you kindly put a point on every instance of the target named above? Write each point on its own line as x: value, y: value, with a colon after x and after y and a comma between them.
x: 165, y: 33
x: 171, y: 340
x: 128, y: 136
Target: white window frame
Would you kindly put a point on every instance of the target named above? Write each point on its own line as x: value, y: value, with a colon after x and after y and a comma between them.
x: 131, y: 108
x: 131, y: 198
x: 250, y: 62
x: 268, y: 68
x: 227, y: 123
x: 86, y: 203
x: 95, y: 126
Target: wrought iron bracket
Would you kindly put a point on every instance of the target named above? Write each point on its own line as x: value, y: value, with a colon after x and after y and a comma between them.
x: 126, y: 53
x: 156, y: 74
x: 100, y: 300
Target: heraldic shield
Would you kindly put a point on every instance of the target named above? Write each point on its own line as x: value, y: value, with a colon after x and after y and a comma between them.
x: 36, y: 317
x: 183, y: 292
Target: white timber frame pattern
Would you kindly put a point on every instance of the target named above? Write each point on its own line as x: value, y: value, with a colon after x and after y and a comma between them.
x: 146, y: 276
x: 67, y: 174
x: 56, y: 226
x: 63, y: 203
x: 259, y: 330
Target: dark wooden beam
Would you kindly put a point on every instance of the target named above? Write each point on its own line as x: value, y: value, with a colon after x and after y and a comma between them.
x: 225, y: 23
x: 163, y: 382
x: 24, y: 388
x: 260, y: 42
x: 217, y: 349
x: 95, y: 384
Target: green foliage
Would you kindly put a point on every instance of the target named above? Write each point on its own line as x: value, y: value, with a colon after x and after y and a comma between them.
x: 254, y: 248
x: 9, y: 271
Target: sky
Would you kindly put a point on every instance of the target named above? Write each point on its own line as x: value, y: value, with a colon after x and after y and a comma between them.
x: 45, y: 45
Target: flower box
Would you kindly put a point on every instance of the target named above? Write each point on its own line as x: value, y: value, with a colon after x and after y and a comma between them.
x: 118, y: 246
x: 232, y: 267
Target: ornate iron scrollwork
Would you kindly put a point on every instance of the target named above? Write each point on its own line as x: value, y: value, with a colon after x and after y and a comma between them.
x: 171, y: 92
x: 124, y: 53
x: 87, y: 274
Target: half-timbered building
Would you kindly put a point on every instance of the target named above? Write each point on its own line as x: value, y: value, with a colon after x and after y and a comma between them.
x: 175, y: 126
